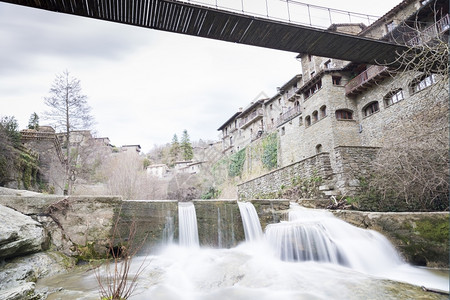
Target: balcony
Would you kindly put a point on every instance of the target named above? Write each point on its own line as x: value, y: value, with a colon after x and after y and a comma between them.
x: 288, y: 115
x: 430, y: 32
x: 251, y: 118
x: 365, y: 80
x: 292, y: 96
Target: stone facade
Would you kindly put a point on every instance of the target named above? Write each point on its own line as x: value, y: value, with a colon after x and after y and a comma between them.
x: 268, y: 185
x: 348, y: 108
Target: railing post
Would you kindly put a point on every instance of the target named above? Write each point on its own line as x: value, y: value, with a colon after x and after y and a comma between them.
x: 289, y: 14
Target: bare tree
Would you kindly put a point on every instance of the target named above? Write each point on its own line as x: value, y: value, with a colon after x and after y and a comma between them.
x: 69, y: 111
x: 125, y: 175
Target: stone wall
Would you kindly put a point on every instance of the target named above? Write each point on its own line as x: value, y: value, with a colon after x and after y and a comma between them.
x: 352, y: 164
x: 268, y: 185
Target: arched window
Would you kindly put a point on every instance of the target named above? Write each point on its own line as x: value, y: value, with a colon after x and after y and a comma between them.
x: 307, y: 121
x: 344, y: 114
x: 393, y: 97
x: 315, y: 116
x: 422, y: 82
x: 371, y: 108
x: 319, y: 148
x: 323, y: 112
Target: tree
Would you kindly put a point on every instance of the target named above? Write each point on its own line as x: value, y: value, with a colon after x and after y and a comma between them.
x: 174, y: 150
x: 186, y: 146
x: 9, y: 138
x: 69, y: 111
x: 33, y: 123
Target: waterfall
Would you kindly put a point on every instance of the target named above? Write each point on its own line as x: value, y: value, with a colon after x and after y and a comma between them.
x: 250, y: 221
x: 169, y: 229
x: 187, y: 225
x: 318, y: 236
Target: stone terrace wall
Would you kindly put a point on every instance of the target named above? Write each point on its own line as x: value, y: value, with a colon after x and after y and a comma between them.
x: 352, y: 163
x: 271, y: 183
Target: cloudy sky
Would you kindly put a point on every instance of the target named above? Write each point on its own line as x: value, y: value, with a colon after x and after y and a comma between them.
x: 143, y: 85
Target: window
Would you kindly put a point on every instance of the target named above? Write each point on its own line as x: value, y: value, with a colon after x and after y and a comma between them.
x: 327, y: 64
x: 344, y: 114
x: 318, y: 148
x: 300, y: 121
x: 390, y: 26
x: 271, y: 106
x: 422, y: 83
x: 309, y: 57
x: 313, y: 89
x: 307, y: 121
x: 393, y: 97
x: 283, y: 131
x: 336, y: 80
x: 323, y: 112
x: 371, y: 108
x: 312, y: 73
x: 315, y: 116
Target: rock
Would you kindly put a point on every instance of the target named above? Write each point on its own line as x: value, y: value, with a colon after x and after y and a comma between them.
x: 24, y: 291
x: 19, y: 234
x: 17, y: 277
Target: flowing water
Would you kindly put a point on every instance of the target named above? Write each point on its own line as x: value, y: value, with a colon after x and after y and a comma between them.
x: 250, y: 221
x: 313, y: 255
x: 187, y: 225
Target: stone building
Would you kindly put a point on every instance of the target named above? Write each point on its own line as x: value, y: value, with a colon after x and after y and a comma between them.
x: 348, y: 109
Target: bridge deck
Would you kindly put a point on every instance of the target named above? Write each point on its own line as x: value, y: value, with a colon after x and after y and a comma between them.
x: 201, y: 21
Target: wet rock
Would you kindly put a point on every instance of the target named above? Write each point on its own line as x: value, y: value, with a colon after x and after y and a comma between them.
x: 18, y: 276
x: 19, y: 234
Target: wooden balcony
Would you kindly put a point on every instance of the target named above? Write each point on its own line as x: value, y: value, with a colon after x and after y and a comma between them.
x: 365, y: 80
x: 251, y: 118
x: 288, y: 115
x: 430, y: 32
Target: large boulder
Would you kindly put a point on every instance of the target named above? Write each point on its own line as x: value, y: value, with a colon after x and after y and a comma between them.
x: 18, y: 275
x: 19, y: 234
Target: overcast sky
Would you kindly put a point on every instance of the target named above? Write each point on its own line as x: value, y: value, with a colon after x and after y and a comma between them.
x: 143, y: 85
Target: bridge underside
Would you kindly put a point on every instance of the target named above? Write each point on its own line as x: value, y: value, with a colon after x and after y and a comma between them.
x: 196, y: 20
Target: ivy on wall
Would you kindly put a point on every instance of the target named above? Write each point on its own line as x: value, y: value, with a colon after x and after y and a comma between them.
x: 236, y: 163
x: 270, y: 152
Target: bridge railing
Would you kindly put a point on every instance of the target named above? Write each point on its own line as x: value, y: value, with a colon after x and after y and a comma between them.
x: 291, y: 11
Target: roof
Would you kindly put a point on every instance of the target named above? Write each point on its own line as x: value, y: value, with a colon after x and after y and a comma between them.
x: 229, y: 121
x: 387, y: 15
x: 252, y: 105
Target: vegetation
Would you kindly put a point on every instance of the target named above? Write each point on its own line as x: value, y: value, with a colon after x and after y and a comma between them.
x: 115, y: 282
x: 411, y: 170
x: 8, y: 154
x: 186, y: 147
x: 270, y: 152
x: 236, y: 163
x: 69, y: 111
x: 33, y: 123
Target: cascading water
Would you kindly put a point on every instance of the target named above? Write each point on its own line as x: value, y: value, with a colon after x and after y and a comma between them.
x: 317, y: 235
x: 187, y: 225
x: 250, y: 221
x: 321, y: 258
